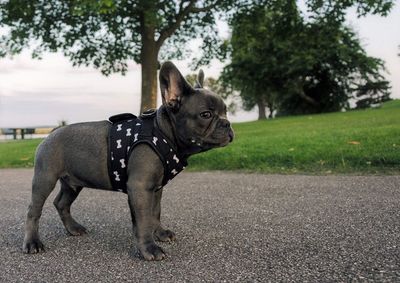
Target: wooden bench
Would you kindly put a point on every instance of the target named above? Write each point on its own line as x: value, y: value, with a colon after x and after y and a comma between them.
x: 17, y: 131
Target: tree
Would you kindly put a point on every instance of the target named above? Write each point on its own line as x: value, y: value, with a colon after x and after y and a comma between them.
x: 262, y: 38
x: 371, y: 94
x: 108, y: 33
x: 335, y: 10
x: 293, y: 65
x: 341, y: 71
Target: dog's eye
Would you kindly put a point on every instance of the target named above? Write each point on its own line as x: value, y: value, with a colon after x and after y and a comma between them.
x: 205, y: 115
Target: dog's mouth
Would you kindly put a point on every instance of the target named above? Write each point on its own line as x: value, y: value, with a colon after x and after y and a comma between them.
x: 231, y: 135
x: 228, y: 138
x: 220, y: 141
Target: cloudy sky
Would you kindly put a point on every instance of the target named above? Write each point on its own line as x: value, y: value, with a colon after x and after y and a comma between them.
x: 40, y: 93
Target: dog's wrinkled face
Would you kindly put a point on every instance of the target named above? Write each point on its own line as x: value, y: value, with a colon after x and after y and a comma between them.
x: 198, y: 114
x: 202, y: 120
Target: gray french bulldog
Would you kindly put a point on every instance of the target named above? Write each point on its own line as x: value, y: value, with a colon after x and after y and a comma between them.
x: 77, y: 155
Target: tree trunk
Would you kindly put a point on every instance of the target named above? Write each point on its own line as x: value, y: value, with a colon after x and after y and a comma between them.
x: 261, y: 109
x: 271, y: 110
x: 149, y: 64
x: 303, y: 95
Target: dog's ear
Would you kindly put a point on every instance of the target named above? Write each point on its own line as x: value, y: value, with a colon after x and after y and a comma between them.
x: 200, y: 80
x: 173, y: 86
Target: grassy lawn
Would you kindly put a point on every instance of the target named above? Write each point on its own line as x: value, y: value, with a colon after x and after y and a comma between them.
x: 365, y: 141
x: 18, y: 153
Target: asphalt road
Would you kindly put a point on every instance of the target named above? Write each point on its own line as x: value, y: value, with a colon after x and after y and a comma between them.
x: 229, y: 226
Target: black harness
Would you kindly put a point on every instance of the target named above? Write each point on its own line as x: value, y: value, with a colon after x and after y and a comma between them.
x: 127, y: 131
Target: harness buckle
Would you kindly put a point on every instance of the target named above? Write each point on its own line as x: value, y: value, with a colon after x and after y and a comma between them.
x: 121, y: 117
x: 150, y: 113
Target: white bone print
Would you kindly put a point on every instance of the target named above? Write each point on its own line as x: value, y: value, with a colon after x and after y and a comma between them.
x: 116, y: 176
x: 135, y: 135
x: 119, y: 127
x: 138, y: 124
x: 175, y: 158
x: 174, y: 172
x: 155, y: 139
x: 112, y: 156
x: 128, y: 148
x: 119, y: 144
x: 122, y: 161
x: 128, y: 132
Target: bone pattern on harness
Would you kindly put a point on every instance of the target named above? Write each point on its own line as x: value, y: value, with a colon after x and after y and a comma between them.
x: 122, y: 161
x: 125, y: 134
x: 116, y: 176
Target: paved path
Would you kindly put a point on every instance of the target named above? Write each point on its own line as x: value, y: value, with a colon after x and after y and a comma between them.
x: 230, y: 227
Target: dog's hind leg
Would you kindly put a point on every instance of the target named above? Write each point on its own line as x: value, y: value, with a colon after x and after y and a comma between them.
x: 42, y: 185
x: 63, y: 202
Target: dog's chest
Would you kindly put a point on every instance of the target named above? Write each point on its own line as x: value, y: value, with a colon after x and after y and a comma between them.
x: 124, y: 135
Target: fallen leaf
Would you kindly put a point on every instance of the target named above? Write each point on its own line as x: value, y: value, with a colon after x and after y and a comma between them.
x: 353, y: 142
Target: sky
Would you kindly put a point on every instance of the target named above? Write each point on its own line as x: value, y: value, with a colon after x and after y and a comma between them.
x: 36, y: 93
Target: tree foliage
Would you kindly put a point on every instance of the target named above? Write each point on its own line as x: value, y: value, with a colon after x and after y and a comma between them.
x: 107, y: 34
x: 336, y: 10
x: 293, y: 65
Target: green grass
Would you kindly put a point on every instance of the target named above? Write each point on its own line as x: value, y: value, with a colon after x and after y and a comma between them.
x: 365, y: 141
x: 14, y: 154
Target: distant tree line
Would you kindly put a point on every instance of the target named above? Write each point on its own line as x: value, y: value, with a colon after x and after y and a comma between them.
x: 288, y: 63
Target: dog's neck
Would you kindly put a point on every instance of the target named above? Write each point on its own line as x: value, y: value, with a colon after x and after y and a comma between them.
x: 166, y: 125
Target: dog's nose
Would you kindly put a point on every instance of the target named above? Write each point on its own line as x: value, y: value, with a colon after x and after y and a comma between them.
x: 225, y: 123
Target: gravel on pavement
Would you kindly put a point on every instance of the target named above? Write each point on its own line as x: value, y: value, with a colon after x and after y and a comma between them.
x: 229, y: 226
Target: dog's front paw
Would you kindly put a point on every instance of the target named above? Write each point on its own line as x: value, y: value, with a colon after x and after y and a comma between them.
x: 151, y: 251
x: 75, y: 229
x: 164, y: 235
x: 32, y: 246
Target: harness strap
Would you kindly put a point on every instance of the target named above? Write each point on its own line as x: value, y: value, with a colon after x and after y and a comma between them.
x: 125, y: 134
